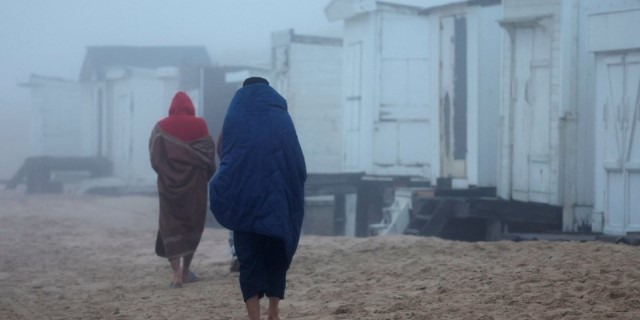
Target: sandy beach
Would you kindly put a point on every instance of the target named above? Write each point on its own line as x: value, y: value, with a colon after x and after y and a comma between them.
x: 91, y: 257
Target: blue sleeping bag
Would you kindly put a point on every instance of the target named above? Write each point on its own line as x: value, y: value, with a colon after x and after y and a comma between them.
x: 259, y: 186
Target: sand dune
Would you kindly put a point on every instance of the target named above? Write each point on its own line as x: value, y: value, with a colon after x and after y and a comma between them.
x: 88, y: 257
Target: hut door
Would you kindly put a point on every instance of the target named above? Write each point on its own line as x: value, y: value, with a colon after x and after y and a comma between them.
x: 618, y: 99
x: 353, y: 66
x: 530, y: 98
x: 453, y: 97
x: 123, y: 136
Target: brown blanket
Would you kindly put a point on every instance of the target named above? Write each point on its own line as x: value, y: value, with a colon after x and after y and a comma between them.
x: 184, y: 170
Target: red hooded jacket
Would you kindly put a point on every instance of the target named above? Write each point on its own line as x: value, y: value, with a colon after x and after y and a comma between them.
x: 182, y: 122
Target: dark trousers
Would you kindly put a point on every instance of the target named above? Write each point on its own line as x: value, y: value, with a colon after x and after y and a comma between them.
x: 263, y: 265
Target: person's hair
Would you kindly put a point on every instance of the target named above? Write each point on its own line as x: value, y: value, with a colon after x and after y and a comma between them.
x: 254, y: 80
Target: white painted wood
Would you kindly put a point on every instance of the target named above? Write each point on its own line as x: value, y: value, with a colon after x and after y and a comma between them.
x: 449, y: 166
x: 412, y: 149
x: 391, y: 90
x: 111, y: 118
x: 307, y: 71
x: 352, y: 106
x: 584, y: 110
x: 133, y: 106
x: 386, y: 139
x: 345, y: 9
x: 123, y: 109
x: 483, y: 68
x: 536, y: 92
x: 614, y: 53
x: 402, y: 106
x: 539, y: 102
x: 618, y: 98
x: 612, y: 30
x: 64, y: 120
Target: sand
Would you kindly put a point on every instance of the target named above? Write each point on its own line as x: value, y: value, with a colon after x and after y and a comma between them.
x: 90, y: 257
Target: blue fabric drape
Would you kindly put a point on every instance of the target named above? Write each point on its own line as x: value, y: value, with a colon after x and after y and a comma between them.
x: 259, y: 186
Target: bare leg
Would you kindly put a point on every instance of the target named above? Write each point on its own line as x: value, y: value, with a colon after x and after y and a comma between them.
x: 274, y: 311
x: 253, y: 308
x: 186, y: 262
x: 177, y: 274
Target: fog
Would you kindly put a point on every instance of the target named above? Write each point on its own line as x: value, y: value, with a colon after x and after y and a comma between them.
x: 463, y: 159
x: 49, y: 38
x: 533, y: 101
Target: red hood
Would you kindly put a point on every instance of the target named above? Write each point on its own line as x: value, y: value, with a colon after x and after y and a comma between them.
x: 182, y: 104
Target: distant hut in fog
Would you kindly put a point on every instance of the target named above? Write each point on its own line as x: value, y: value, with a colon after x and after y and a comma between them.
x: 122, y: 91
x: 133, y: 87
x: 63, y: 122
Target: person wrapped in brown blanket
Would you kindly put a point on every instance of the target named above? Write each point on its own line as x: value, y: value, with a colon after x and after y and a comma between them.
x: 182, y: 154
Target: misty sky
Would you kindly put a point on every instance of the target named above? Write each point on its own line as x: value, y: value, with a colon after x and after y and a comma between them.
x: 49, y: 38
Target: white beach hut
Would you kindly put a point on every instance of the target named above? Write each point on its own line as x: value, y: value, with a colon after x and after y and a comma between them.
x: 132, y: 88
x: 110, y: 112
x: 420, y: 88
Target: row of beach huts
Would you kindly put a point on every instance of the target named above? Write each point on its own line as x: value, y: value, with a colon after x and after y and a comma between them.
x: 531, y: 105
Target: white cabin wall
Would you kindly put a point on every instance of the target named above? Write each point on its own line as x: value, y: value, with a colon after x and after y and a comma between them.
x: 486, y: 84
x: 436, y: 71
x: 151, y: 100
x: 586, y: 196
x: 474, y: 147
x: 102, y: 98
x: 571, y: 112
x: 530, y: 8
x: 64, y: 119
x: 433, y: 91
x: 403, y: 143
x: 119, y: 124
x: 136, y: 102
x: 484, y: 39
x: 358, y: 126
x: 577, y: 116
x: 607, y: 36
x: 505, y: 139
x: 315, y: 88
x: 549, y: 12
x: 557, y: 93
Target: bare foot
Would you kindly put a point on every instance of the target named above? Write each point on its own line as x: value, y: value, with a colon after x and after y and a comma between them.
x: 189, y: 277
x: 177, y: 283
x: 273, y: 317
x: 273, y: 314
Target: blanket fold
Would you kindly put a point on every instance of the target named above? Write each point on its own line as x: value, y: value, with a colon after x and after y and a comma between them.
x: 183, y: 168
x: 259, y: 186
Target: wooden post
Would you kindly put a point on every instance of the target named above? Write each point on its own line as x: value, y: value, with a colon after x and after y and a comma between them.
x: 339, y: 214
x: 362, y: 209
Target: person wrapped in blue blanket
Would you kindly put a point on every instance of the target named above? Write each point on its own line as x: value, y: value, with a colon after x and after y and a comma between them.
x: 258, y: 191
